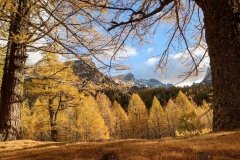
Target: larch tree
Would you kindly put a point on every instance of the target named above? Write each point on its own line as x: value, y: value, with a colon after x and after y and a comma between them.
x: 157, y: 119
x: 193, y: 23
x: 67, y: 124
x: 172, y: 112
x: 26, y: 119
x: 104, y: 106
x: 31, y: 24
x: 64, y: 128
x: 121, y: 121
x: 188, y: 122
x: 35, y: 121
x: 204, y: 113
x: 184, y: 103
x: 91, y: 125
x: 40, y: 127
x: 54, y: 83
x: 12, y: 81
x: 138, y: 117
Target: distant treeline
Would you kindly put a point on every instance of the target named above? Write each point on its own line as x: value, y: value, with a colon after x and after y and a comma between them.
x: 197, y: 93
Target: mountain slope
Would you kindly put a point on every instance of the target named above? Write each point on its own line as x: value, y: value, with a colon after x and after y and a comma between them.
x: 87, y: 71
x: 130, y: 80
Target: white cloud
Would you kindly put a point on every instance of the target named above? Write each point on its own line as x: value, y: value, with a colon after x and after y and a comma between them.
x: 149, y: 50
x: 178, y: 65
x: 122, y: 54
x: 153, y: 61
x: 127, y: 52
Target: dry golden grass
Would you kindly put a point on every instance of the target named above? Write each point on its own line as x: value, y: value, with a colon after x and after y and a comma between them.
x: 217, y: 146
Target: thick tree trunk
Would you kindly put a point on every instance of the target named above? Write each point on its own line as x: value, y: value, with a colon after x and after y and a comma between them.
x: 12, y: 84
x: 54, y: 133
x: 53, y: 127
x: 223, y: 38
x: 53, y: 120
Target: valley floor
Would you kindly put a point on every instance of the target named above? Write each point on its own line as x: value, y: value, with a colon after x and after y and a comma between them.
x: 216, y: 146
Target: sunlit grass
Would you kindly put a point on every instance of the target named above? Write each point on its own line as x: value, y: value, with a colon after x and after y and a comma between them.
x: 217, y: 146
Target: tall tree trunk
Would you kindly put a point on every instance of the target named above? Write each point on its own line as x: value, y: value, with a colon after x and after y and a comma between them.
x: 222, y: 24
x: 53, y: 120
x: 12, y: 84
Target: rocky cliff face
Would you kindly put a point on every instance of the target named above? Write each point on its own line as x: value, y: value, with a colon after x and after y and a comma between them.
x: 87, y: 71
x: 127, y: 79
x: 130, y: 80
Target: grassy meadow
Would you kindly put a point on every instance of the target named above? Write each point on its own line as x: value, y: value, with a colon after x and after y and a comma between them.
x: 213, y: 146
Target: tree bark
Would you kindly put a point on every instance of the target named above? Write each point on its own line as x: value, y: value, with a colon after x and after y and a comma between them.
x: 12, y: 83
x: 53, y: 120
x: 222, y: 27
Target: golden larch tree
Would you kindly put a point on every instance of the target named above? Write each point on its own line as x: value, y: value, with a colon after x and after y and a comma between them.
x: 54, y: 83
x: 188, y: 122
x: 172, y: 112
x: 90, y: 123
x: 104, y: 106
x: 157, y: 119
x: 121, y: 121
x: 138, y: 116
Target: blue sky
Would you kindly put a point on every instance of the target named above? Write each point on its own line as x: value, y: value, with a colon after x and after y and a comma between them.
x: 143, y: 60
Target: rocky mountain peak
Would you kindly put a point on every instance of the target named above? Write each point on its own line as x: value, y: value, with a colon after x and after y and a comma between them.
x: 129, y: 77
x: 130, y: 80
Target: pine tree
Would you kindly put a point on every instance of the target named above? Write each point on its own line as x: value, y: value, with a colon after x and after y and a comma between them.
x: 90, y: 123
x: 121, y: 121
x: 157, y: 119
x: 138, y: 117
x: 104, y: 105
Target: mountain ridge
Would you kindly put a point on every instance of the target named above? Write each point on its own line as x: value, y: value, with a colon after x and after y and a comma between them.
x: 130, y: 80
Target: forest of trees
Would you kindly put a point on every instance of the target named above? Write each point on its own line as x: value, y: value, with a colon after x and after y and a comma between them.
x: 55, y: 110
x: 95, y: 118
x: 197, y: 93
